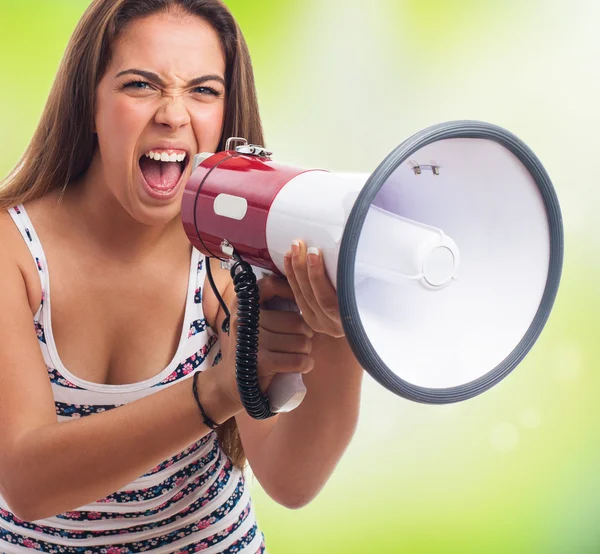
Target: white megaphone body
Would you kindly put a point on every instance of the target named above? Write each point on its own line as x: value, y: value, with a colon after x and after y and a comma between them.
x: 446, y: 259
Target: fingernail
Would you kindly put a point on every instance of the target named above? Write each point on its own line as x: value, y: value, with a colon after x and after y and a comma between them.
x: 313, y: 255
x: 295, y: 247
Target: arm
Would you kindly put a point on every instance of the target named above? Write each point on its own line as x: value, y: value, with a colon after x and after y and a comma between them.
x: 47, y: 467
x: 294, y: 454
x: 60, y: 466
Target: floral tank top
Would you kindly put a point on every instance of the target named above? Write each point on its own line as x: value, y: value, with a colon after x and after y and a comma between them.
x: 194, y: 501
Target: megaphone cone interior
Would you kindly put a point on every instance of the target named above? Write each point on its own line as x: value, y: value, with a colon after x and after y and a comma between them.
x: 446, y: 259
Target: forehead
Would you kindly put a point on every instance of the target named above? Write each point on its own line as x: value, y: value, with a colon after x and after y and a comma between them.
x: 170, y: 44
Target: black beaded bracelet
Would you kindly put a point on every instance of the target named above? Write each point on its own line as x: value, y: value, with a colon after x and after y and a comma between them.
x: 207, y: 421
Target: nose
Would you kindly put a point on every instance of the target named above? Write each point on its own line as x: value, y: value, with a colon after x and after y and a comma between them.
x: 173, y: 113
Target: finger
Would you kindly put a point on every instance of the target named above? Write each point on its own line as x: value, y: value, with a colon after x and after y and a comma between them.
x: 278, y: 342
x: 299, y: 264
x: 290, y: 323
x: 306, y: 310
x: 270, y: 363
x: 324, y: 292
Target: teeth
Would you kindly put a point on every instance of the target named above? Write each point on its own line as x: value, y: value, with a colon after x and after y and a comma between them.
x: 164, y: 157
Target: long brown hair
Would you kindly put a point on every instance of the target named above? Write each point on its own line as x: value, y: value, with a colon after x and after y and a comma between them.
x: 64, y: 142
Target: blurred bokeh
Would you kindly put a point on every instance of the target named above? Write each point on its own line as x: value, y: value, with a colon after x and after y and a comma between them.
x: 341, y: 83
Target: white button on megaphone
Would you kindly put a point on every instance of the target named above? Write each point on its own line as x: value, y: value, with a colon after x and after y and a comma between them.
x: 446, y: 259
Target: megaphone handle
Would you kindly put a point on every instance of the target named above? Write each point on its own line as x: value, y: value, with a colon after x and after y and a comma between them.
x: 287, y: 390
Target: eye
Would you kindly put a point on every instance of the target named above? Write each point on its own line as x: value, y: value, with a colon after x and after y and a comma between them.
x: 138, y: 85
x: 208, y: 90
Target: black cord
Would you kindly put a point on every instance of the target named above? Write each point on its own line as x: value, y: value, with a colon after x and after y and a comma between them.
x: 246, y: 290
x: 246, y: 349
x: 225, y: 325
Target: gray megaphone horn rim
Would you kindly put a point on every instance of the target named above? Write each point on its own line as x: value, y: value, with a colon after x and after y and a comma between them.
x: 353, y: 327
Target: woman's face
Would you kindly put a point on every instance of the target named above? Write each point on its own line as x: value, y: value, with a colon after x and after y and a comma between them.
x: 160, y: 102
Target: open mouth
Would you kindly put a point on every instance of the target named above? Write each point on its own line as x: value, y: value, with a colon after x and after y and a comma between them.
x: 162, y: 172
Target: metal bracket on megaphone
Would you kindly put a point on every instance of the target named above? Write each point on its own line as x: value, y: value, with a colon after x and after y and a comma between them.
x: 249, y: 149
x: 228, y: 250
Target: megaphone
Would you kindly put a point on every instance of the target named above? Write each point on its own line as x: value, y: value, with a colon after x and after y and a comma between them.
x: 446, y: 259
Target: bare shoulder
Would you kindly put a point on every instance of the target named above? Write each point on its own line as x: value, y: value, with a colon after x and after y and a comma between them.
x: 8, y: 232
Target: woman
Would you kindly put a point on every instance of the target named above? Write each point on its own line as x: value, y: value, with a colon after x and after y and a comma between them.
x: 118, y: 453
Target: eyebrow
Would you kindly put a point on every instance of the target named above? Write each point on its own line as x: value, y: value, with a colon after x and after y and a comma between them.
x: 156, y: 78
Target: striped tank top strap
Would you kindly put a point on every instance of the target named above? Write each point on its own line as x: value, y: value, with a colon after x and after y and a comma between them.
x: 23, y: 223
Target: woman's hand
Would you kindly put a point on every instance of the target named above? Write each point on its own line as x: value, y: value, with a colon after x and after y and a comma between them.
x: 284, y: 344
x: 314, y: 294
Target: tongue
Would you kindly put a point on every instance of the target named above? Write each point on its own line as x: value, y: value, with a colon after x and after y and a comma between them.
x: 160, y: 175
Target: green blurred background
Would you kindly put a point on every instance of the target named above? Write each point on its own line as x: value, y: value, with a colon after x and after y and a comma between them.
x: 341, y: 83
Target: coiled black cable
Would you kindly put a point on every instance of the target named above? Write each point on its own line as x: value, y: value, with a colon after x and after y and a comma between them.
x: 254, y: 401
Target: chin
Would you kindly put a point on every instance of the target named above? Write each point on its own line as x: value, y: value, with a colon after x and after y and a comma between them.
x: 150, y: 213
